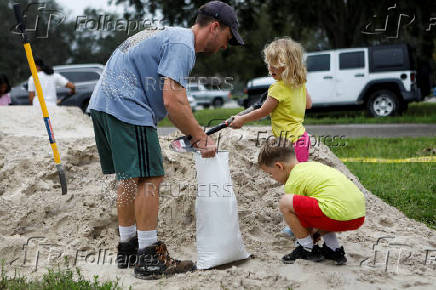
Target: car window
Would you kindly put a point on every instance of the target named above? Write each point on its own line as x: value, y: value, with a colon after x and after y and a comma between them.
x: 351, y: 60
x: 80, y: 76
x: 320, y: 62
x: 193, y: 88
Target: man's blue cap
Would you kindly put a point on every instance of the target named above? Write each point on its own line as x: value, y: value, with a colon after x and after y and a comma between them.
x: 227, y: 15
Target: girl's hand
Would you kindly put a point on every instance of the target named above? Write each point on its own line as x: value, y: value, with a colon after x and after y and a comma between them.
x: 237, y: 122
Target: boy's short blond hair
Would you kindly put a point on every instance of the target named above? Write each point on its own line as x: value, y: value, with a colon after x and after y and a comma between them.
x: 286, y: 53
x: 275, y: 150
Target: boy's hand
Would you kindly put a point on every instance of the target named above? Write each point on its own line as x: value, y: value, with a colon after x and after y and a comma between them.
x: 237, y: 122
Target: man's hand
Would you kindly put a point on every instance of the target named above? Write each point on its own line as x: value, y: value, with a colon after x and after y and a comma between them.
x: 206, y: 145
x: 71, y: 86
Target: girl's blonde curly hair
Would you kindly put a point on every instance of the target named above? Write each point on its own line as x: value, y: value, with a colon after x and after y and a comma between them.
x: 286, y: 53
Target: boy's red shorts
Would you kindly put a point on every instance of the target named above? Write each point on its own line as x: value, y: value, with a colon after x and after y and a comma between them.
x: 310, y: 216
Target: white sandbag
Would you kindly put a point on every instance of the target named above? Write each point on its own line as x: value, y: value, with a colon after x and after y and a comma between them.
x: 219, y: 239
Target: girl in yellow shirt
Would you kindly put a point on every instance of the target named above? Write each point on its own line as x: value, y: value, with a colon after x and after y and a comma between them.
x: 287, y: 99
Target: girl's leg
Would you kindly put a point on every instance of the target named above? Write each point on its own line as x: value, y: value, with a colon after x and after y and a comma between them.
x: 301, y: 147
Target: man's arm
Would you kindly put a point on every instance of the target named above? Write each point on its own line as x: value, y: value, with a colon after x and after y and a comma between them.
x: 180, y: 114
x: 71, y: 86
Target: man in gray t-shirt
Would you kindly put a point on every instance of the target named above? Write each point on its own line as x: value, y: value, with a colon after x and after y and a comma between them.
x: 144, y: 81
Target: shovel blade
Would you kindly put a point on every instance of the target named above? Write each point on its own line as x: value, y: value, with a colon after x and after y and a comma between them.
x: 181, y: 144
x: 62, y: 178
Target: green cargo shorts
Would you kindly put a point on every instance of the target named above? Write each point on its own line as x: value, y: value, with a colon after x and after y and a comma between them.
x: 128, y: 150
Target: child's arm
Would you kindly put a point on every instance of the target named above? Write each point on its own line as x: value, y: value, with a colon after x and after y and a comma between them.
x: 308, y: 100
x: 260, y: 113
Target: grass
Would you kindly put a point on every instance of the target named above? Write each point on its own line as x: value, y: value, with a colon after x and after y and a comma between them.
x: 392, y: 148
x: 417, y: 113
x: 410, y: 187
x: 56, y: 279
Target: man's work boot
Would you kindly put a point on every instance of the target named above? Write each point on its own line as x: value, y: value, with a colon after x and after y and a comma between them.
x: 155, y: 262
x: 127, y: 251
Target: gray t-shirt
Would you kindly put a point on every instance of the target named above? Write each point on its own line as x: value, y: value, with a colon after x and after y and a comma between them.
x: 130, y: 88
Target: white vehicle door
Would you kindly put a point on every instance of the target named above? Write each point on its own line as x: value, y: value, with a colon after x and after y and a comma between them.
x: 321, y: 78
x: 352, y: 75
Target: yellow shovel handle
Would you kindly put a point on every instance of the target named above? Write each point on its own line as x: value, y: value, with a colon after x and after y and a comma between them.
x: 46, y: 118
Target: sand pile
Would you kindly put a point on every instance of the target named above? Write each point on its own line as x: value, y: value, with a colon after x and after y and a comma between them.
x: 39, y: 227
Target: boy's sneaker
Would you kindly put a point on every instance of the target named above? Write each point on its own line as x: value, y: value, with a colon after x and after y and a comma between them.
x: 301, y: 253
x: 126, y: 256
x: 338, y: 255
x: 155, y: 261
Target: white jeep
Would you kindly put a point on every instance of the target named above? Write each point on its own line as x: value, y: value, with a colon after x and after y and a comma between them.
x: 378, y: 78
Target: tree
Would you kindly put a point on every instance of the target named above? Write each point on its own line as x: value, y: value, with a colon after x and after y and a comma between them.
x: 254, y: 25
x: 54, y: 47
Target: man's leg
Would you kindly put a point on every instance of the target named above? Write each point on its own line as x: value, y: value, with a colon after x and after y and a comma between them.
x: 126, y: 195
x: 147, y: 209
x: 128, y: 246
x: 154, y: 261
x: 138, y: 200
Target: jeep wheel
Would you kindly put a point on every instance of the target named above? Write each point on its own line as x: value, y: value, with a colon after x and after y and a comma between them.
x: 383, y: 103
x: 217, y: 102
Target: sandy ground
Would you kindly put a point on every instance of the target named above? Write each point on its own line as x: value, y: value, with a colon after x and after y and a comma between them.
x: 39, y: 227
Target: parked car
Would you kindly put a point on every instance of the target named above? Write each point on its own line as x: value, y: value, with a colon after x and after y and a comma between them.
x: 207, y: 97
x: 84, y: 77
x: 254, y: 89
x: 192, y: 102
x: 380, y: 79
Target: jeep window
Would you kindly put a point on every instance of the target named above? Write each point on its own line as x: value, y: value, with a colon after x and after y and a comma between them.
x: 351, y: 60
x: 80, y: 76
x: 320, y: 62
x: 388, y: 58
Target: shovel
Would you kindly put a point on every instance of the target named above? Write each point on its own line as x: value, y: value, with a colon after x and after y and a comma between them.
x: 21, y: 28
x: 183, y: 144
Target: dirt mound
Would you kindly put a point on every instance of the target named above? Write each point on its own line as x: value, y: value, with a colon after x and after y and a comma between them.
x: 39, y: 227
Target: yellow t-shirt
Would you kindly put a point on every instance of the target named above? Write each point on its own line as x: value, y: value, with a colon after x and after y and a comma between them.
x: 338, y: 197
x: 287, y: 118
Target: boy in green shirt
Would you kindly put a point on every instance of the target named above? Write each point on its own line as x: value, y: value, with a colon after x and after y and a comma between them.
x: 318, y: 199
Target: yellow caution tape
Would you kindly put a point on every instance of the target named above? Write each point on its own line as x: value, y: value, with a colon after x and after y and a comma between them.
x: 382, y: 160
